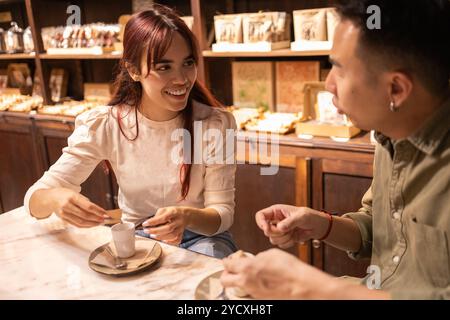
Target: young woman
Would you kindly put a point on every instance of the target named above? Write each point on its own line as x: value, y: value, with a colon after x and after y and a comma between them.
x: 157, y: 93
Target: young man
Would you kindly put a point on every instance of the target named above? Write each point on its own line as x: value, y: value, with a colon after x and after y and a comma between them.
x: 395, y: 80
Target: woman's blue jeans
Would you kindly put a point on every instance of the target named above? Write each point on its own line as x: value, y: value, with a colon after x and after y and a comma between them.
x: 218, y: 246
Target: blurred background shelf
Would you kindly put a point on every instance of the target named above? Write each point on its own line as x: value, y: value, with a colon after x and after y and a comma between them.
x: 104, y: 56
x: 12, y: 56
x: 275, y: 53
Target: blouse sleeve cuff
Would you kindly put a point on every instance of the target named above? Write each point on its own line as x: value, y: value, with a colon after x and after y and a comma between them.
x: 226, y: 218
x: 26, y: 201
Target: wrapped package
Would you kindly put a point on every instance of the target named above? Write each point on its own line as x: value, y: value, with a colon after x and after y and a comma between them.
x: 266, y: 26
x: 291, y: 77
x: 228, y: 28
x: 332, y: 21
x: 310, y: 25
x: 254, y: 84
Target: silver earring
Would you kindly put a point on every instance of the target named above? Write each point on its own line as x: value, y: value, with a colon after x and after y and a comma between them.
x: 392, y: 107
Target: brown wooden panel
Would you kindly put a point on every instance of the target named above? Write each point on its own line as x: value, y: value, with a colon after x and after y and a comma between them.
x: 352, y: 168
x: 303, y: 199
x: 338, y: 193
x: 199, y: 29
x: 1, y: 205
x: 41, y: 70
x: 255, y: 192
x: 343, y: 194
x: 115, y: 189
x: 17, y: 167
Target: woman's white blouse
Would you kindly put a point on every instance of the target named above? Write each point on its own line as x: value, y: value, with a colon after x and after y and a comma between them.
x: 148, y: 169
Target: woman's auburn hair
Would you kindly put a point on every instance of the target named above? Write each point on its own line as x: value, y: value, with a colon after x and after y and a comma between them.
x: 154, y: 29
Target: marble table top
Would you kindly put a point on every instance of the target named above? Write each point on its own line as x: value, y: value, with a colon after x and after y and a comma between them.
x: 48, y: 259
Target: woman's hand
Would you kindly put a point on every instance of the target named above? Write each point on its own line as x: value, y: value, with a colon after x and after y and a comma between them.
x: 75, y: 208
x: 168, y: 224
x: 285, y: 225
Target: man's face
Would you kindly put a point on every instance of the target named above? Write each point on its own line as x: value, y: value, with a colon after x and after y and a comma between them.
x: 361, y: 95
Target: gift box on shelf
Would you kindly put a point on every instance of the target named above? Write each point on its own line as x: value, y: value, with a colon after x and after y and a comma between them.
x: 314, y: 29
x: 189, y: 20
x: 58, y: 83
x: 100, y: 92
x: 321, y: 117
x: 320, y: 129
x: 228, y: 28
x: 253, y: 84
x: 290, y: 77
x: 252, y: 32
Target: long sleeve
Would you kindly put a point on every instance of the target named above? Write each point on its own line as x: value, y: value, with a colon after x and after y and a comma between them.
x: 363, y: 218
x: 422, y: 294
x: 220, y: 169
x: 87, y: 146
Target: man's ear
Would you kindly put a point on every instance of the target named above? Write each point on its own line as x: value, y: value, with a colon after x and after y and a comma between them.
x: 401, y: 88
x: 133, y: 71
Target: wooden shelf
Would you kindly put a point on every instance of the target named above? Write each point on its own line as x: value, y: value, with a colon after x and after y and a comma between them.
x: 12, y: 56
x: 275, y: 53
x: 359, y: 143
x: 104, y: 56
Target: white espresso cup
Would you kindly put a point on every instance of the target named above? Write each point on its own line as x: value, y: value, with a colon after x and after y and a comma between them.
x: 124, y: 239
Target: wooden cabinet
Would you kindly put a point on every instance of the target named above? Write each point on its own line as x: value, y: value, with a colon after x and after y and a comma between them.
x: 253, y: 193
x: 30, y: 145
x: 19, y: 160
x: 338, y: 187
x: 320, y: 174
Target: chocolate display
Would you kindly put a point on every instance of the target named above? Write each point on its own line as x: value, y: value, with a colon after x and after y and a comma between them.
x: 85, y: 36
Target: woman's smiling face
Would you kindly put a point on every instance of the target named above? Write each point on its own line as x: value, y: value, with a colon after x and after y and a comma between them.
x: 167, y: 84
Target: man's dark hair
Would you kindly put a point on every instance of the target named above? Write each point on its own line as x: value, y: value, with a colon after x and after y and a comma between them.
x: 414, y: 37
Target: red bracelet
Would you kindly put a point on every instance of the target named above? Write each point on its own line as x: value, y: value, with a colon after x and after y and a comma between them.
x: 330, y: 219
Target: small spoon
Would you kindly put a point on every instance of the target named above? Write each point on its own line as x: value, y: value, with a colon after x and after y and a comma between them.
x: 222, y: 295
x: 118, y: 263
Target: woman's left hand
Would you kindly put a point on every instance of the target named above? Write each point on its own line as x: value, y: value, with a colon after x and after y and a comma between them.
x: 168, y: 224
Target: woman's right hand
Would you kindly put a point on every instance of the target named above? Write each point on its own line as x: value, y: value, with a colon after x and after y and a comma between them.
x: 75, y: 208
x: 286, y: 225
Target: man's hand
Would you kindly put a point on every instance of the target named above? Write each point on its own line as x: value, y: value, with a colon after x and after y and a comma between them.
x: 285, y: 225
x: 275, y: 274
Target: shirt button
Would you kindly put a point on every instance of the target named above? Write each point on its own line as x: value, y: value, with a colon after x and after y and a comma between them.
x: 397, y: 215
x: 396, y: 259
